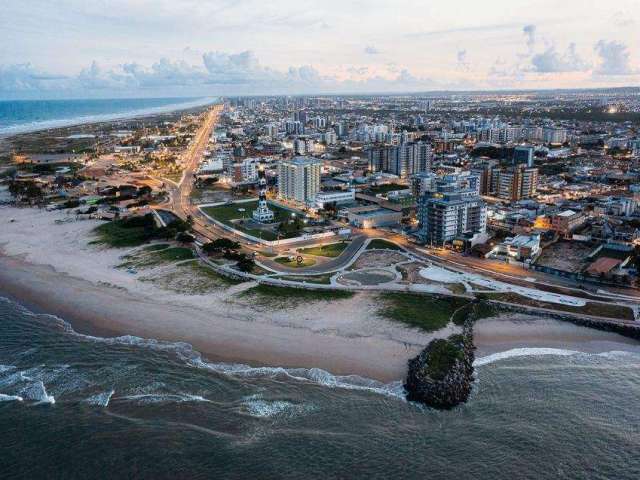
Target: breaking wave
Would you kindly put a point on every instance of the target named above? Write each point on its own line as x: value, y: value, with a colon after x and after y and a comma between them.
x: 10, y: 398
x: 186, y: 352
x: 256, y: 406
x: 37, y: 392
x: 165, y: 398
x: 535, y: 352
x: 101, y: 399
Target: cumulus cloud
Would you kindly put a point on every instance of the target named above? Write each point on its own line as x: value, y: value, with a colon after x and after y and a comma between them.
x: 371, y: 50
x: 25, y: 76
x: 614, y: 58
x: 218, y: 73
x: 551, y: 61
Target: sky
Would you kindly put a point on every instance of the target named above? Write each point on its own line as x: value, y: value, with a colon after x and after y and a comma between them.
x: 145, y: 48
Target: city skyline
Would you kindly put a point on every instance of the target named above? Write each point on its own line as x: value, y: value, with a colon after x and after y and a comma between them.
x: 233, y: 48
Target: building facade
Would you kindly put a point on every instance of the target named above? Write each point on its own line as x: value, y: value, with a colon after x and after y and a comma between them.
x: 447, y: 216
x: 299, y: 179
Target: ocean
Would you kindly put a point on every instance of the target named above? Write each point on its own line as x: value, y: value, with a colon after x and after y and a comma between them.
x: 75, y: 406
x: 20, y: 116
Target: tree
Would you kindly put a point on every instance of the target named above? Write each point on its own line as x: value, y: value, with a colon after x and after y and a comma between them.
x: 245, y: 264
x: 183, y: 237
x: 29, y: 190
x: 220, y: 245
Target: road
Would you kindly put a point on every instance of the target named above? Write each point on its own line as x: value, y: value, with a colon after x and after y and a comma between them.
x: 325, y: 267
x: 180, y: 204
x: 180, y: 193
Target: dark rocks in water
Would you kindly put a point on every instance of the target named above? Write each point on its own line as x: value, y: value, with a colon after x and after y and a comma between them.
x: 442, y: 374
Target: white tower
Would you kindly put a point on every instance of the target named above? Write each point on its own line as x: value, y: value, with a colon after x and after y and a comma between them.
x: 262, y: 214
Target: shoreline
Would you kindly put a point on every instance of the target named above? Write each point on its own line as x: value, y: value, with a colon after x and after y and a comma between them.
x: 55, y: 124
x: 51, y: 268
x: 96, y: 314
x: 110, y: 312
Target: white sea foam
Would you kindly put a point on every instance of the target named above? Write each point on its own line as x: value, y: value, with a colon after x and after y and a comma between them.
x: 36, y: 391
x: 315, y: 375
x: 534, y: 352
x: 165, y: 398
x: 10, y: 398
x: 6, y: 368
x: 192, y: 357
x: 101, y: 399
x: 256, y: 406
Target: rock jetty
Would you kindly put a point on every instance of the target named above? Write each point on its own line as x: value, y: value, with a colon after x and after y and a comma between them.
x: 442, y: 374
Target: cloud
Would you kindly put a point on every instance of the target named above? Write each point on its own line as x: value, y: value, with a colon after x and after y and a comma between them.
x: 530, y: 34
x: 614, y: 58
x: 550, y: 61
x: 24, y: 76
x: 218, y: 73
x: 622, y: 19
x: 466, y: 29
x: 371, y: 50
x: 461, y: 57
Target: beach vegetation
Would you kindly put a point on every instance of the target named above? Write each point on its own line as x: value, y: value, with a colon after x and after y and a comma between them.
x: 291, y: 297
x: 596, y: 309
x: 426, y: 312
x: 442, y: 355
x: 137, y: 230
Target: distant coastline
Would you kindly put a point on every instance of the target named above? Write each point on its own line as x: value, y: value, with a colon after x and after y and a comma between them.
x: 12, y: 123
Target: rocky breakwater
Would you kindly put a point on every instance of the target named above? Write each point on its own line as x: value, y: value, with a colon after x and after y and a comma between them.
x: 442, y: 374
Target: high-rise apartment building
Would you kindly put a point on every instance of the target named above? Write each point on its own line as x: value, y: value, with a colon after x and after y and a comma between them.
x: 403, y: 160
x: 515, y: 183
x: 446, y: 216
x: 553, y: 135
x: 299, y: 179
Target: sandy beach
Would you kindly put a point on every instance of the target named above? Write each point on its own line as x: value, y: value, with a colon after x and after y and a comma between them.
x: 52, y: 268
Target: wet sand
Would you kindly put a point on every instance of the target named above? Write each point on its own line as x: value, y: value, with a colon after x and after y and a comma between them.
x: 507, y: 332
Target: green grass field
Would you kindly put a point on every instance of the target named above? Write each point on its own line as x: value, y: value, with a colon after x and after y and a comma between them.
x: 331, y: 250
x: 381, y: 244
x: 306, y: 262
x: 237, y: 211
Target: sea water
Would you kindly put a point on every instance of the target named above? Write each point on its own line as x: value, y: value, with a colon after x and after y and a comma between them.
x: 19, y: 116
x: 76, y: 406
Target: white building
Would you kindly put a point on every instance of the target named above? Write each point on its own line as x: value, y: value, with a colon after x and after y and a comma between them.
x: 339, y: 197
x: 246, y: 171
x: 555, y: 135
x: 127, y: 149
x: 329, y: 138
x: 299, y: 179
x: 448, y: 216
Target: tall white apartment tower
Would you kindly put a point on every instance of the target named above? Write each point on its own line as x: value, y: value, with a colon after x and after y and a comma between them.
x: 299, y: 179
